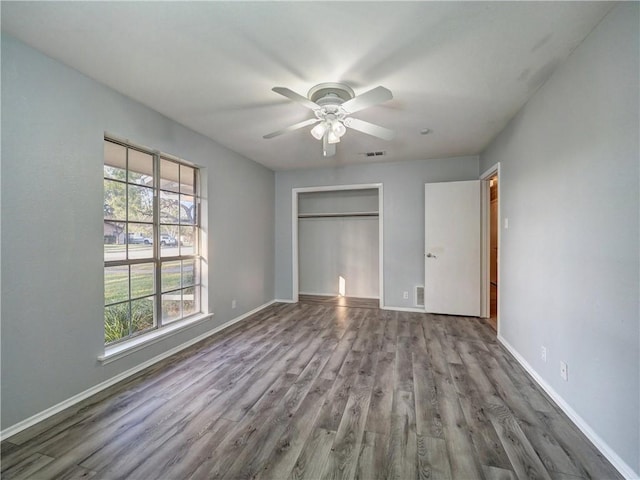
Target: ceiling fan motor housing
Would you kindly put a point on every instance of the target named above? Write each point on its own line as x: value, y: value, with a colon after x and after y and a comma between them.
x: 330, y: 94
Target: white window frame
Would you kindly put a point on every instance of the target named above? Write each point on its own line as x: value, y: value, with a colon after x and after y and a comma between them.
x: 160, y: 329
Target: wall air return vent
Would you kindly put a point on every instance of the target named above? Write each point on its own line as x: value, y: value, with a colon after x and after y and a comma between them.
x: 419, y: 296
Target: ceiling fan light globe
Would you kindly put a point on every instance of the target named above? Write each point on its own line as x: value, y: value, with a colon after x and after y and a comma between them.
x: 332, y: 137
x: 319, y: 130
x: 338, y: 129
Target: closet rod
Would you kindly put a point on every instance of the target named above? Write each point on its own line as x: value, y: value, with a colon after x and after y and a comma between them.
x: 345, y: 214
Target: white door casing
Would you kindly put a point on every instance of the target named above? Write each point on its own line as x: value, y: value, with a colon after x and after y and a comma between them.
x: 453, y: 248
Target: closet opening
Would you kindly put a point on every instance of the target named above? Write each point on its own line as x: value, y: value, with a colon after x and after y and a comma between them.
x: 337, y: 242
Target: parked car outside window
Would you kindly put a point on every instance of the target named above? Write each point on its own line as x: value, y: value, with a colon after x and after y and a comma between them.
x: 138, y: 238
x: 168, y: 240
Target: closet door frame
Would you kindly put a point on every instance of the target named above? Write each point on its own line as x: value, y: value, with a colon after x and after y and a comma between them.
x: 294, y: 230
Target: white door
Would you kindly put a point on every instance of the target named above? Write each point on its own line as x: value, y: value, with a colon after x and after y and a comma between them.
x: 452, y: 248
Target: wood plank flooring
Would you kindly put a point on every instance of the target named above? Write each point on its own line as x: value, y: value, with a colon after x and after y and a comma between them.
x: 315, y: 390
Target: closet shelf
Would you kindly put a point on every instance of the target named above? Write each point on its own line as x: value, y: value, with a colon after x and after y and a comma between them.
x: 336, y: 214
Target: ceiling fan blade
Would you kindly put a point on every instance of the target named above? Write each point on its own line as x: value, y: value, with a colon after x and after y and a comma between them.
x: 367, y: 99
x: 311, y: 121
x: 369, y: 128
x: 296, y: 97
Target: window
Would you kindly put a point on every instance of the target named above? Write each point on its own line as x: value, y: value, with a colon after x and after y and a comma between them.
x: 151, y: 241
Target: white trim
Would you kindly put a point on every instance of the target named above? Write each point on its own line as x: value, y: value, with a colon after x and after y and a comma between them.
x: 319, y: 294
x: 333, y: 188
x: 332, y: 295
x: 295, y: 284
x: 284, y: 300
x: 122, y: 349
x: 495, y: 168
x: 485, y: 249
x: 43, y: 415
x: 625, y: 470
x: 403, y: 309
x: 381, y: 243
x: 294, y: 244
x: 486, y: 232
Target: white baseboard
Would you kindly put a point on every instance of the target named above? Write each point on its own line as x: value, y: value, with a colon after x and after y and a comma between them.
x: 319, y: 294
x: 625, y: 470
x: 332, y: 295
x: 43, y: 415
x: 284, y: 300
x: 404, y: 309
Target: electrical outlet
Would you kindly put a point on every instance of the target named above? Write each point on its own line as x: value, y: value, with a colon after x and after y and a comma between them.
x: 564, y: 371
x: 506, y: 224
x: 543, y: 353
x: 405, y: 295
x: 233, y: 303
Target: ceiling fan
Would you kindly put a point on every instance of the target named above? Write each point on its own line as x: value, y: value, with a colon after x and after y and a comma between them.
x: 332, y: 104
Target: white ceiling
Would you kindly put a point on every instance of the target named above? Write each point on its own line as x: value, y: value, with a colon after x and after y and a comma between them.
x: 461, y: 69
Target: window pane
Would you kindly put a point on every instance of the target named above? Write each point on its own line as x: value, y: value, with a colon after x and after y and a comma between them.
x: 188, y: 272
x: 170, y: 275
x: 140, y: 240
x: 190, y: 301
x: 187, y: 240
x: 142, y: 280
x: 187, y: 209
x: 169, y: 207
x: 142, y: 314
x: 169, y: 241
x: 169, y: 175
x: 115, y: 161
x: 115, y: 200
x: 187, y: 183
x: 171, y: 306
x: 140, y: 168
x: 116, y: 284
x: 114, y: 241
x: 116, y: 322
x: 140, y: 204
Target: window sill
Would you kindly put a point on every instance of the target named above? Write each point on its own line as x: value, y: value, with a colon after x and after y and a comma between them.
x: 119, y: 350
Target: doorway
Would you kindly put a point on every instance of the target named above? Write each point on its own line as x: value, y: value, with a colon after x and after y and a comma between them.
x: 491, y: 242
x: 493, y: 252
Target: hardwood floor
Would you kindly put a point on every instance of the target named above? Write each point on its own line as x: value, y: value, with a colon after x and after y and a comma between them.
x: 314, y: 391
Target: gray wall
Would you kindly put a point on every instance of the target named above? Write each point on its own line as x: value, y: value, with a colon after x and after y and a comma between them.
x: 569, y: 260
x: 53, y: 123
x: 334, y: 247
x: 403, y: 215
x: 339, y: 201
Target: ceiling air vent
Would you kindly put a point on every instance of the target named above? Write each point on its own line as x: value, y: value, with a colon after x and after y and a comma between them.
x: 375, y: 154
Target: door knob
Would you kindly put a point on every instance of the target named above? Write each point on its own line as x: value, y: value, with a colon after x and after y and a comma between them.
x: 430, y: 255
